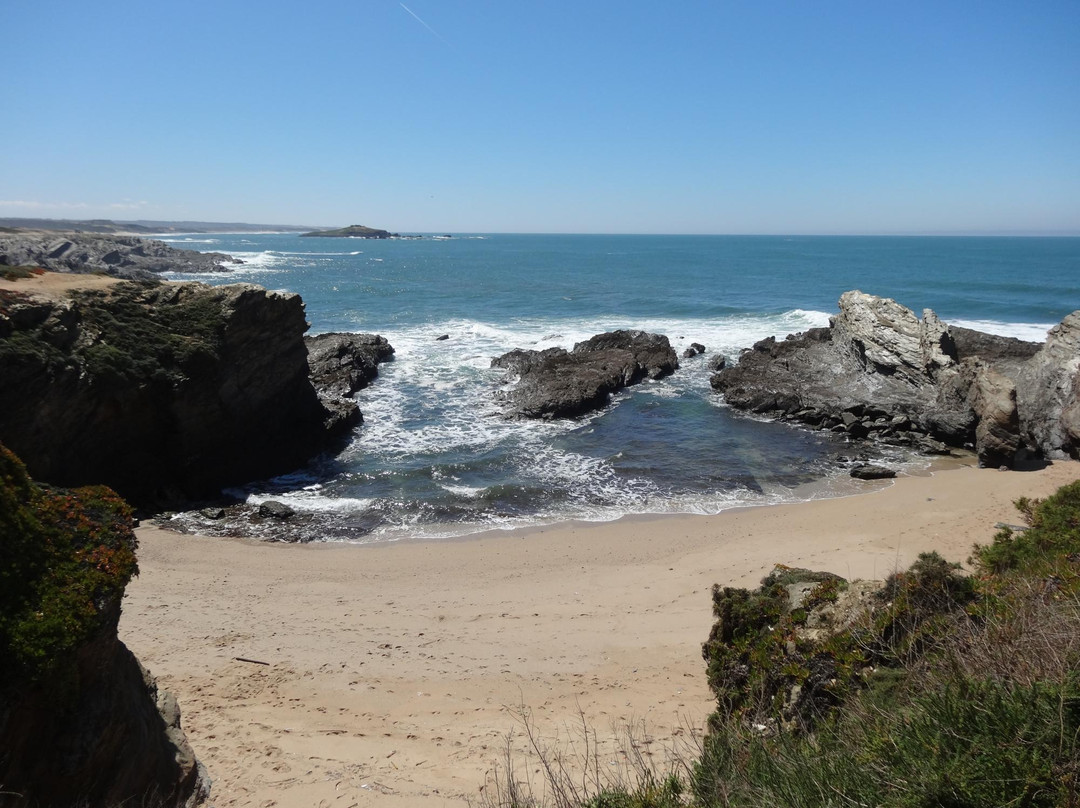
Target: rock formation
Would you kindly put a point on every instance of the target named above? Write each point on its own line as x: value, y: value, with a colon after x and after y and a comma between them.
x: 81, y: 721
x: 556, y: 383
x: 1048, y: 392
x: 163, y: 391
x: 880, y: 372
x: 127, y: 257
x: 343, y: 364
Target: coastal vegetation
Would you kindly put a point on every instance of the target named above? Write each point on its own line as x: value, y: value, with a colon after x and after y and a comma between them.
x: 64, y: 562
x: 935, y: 688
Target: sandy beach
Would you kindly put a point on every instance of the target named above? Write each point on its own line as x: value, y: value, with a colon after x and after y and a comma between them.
x: 393, y: 673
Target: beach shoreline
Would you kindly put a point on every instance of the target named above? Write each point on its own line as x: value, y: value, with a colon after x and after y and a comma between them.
x: 396, y: 671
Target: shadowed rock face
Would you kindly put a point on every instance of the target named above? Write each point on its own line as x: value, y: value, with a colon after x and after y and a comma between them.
x: 880, y: 372
x: 556, y: 383
x: 164, y: 392
x: 81, y: 721
x: 126, y: 257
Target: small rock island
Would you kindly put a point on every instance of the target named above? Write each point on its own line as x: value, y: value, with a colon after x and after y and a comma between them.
x: 352, y: 231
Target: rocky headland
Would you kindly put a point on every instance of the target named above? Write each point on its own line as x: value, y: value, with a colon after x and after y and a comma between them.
x: 118, y: 256
x: 81, y: 721
x: 169, y: 391
x: 878, y: 372
x: 556, y: 383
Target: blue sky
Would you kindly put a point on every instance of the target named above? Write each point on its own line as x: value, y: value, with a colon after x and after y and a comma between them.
x: 611, y: 117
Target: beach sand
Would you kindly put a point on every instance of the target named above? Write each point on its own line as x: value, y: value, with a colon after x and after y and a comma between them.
x: 395, y: 672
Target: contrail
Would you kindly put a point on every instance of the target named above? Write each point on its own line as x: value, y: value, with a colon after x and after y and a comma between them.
x: 415, y: 17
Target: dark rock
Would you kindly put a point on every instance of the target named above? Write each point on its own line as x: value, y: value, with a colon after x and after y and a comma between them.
x: 164, y: 392
x: 697, y: 346
x: 556, y: 383
x: 127, y: 257
x: 442, y: 338
x: 81, y: 721
x: 869, y: 471
x: 718, y: 363
x: 341, y: 365
x: 213, y: 513
x: 275, y: 510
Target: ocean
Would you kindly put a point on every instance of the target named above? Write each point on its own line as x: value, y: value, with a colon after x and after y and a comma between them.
x: 434, y: 456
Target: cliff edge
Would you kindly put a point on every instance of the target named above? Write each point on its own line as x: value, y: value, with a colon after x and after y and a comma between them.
x: 165, y: 392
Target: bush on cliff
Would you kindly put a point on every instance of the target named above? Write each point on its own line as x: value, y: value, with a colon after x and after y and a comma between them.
x: 65, y: 558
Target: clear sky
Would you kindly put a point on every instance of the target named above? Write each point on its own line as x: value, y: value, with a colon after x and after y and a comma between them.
x: 489, y: 116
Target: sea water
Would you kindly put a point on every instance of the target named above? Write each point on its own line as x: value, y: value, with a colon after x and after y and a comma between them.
x: 436, y: 457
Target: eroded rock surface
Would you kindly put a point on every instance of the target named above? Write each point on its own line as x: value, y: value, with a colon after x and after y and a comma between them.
x: 879, y: 372
x: 126, y: 257
x: 556, y: 383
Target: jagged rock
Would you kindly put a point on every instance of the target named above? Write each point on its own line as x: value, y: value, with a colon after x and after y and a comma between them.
x: 213, y: 513
x: 341, y: 365
x: 165, y: 392
x: 869, y: 471
x: 442, y: 338
x: 695, y: 349
x: 127, y: 257
x: 1048, y: 392
x: 879, y: 371
x: 718, y: 363
x: 557, y: 383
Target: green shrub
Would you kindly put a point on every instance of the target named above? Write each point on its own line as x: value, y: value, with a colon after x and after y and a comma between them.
x: 1053, y: 535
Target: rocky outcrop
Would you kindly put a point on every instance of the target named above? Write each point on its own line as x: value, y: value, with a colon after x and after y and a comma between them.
x: 880, y: 372
x: 1048, y: 392
x: 556, y: 383
x: 126, y: 257
x: 341, y: 365
x: 81, y: 721
x: 166, y: 392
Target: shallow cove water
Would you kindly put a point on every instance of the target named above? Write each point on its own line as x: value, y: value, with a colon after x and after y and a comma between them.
x: 434, y: 457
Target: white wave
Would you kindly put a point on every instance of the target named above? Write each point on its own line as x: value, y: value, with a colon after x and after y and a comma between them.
x: 285, y: 252
x: 1032, y: 332
x: 190, y: 240
x: 467, y: 491
x: 313, y: 501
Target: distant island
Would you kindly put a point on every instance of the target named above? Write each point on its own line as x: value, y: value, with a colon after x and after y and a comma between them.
x: 145, y: 226
x: 352, y: 231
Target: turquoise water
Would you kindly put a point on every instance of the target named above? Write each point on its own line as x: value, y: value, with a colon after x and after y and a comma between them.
x: 435, y: 456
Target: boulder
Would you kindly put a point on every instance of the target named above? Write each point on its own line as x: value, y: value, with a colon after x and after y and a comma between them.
x: 870, y: 471
x: 1048, y: 392
x: 341, y: 365
x: 556, y: 383
x: 997, y: 428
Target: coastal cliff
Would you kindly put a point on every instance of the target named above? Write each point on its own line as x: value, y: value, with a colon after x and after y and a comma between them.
x: 879, y: 372
x: 165, y: 392
x: 81, y: 721
x: 127, y: 257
